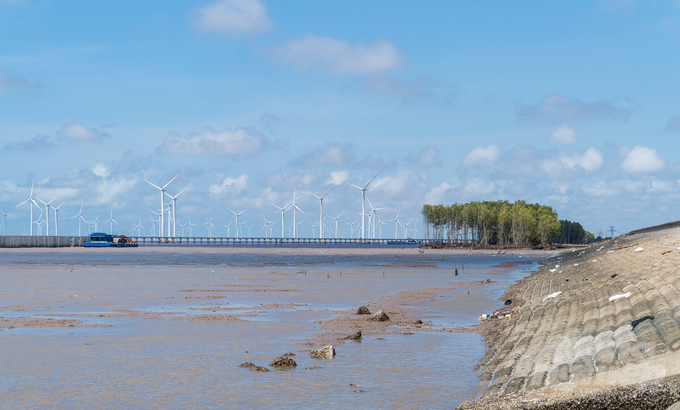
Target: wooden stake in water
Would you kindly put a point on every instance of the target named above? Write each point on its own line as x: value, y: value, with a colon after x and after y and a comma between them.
x: 383, y: 272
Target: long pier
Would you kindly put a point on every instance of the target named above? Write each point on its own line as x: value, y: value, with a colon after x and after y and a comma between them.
x: 77, y: 241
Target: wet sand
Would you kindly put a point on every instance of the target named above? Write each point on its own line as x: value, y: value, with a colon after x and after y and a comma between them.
x: 169, y: 327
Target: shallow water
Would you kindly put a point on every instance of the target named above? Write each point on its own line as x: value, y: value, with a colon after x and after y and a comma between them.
x: 156, y: 361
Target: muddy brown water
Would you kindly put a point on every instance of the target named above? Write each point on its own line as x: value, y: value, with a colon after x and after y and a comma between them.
x: 168, y: 328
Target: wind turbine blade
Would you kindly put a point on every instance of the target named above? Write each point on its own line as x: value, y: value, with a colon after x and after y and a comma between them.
x: 357, y: 187
x: 324, y: 195
x: 23, y: 202
x: 180, y: 192
x: 154, y: 185
x: 173, y: 180
x: 369, y: 182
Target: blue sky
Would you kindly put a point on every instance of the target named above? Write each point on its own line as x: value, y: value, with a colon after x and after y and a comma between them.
x: 570, y: 104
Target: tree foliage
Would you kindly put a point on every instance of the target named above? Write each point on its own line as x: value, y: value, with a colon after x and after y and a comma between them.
x: 573, y: 232
x: 491, y: 222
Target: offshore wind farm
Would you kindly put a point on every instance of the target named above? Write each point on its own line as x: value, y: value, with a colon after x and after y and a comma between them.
x: 164, y: 222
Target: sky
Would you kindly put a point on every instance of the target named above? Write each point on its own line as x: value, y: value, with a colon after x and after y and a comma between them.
x: 568, y: 104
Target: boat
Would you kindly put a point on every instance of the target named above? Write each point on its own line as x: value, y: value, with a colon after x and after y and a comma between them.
x: 100, y: 240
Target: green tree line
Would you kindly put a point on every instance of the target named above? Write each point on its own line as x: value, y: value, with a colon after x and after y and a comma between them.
x: 491, y: 222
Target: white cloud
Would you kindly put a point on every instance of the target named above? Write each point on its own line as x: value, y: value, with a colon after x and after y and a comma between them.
x: 426, y: 157
x: 241, y: 141
x: 563, y: 134
x: 590, y: 161
x: 101, y: 170
x: 643, y: 160
x: 437, y: 195
x: 326, y: 54
x: 337, y: 177
x: 232, y: 18
x: 483, y: 154
x: 230, y: 184
x: 77, y: 132
x: 108, y: 190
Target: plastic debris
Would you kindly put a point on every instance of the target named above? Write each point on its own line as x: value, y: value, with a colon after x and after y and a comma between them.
x: 623, y: 295
x: 640, y: 249
x: 552, y: 270
x: 552, y: 295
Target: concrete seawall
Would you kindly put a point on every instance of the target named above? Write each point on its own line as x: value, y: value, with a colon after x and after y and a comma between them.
x: 41, y: 241
x: 602, y: 322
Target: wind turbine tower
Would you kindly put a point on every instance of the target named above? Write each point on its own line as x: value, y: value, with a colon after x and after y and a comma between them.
x: 162, y: 216
x: 363, y: 205
x: 237, y: 224
x: 321, y: 210
x: 174, y: 211
x: 32, y: 202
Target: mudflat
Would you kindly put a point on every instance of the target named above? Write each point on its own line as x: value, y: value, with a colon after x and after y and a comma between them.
x: 170, y: 326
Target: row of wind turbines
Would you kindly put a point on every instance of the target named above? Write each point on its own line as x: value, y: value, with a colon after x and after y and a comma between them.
x: 166, y: 224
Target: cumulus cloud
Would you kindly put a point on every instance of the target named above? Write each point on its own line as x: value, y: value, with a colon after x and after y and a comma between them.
x: 329, y: 155
x: 326, y: 54
x: 426, y: 158
x: 528, y: 162
x: 229, y: 184
x: 559, y: 109
x: 482, y: 155
x: 7, y: 82
x: 241, y: 141
x: 410, y: 92
x: 643, y: 160
x: 232, y: 18
x: 77, y: 132
x: 566, y: 165
x: 563, y: 134
x: 337, y: 177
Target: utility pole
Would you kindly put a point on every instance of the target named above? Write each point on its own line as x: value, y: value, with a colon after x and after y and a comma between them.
x: 611, y: 232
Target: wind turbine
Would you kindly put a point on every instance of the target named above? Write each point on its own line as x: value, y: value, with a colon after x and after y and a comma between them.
x: 314, y: 229
x: 174, y: 211
x: 158, y: 221
x: 56, y: 219
x: 380, y: 224
x: 190, y: 225
x: 296, y: 229
x: 4, y: 222
x: 162, y: 220
x: 139, y: 227
x: 294, y: 206
x: 47, y: 212
x: 336, y: 224
x: 183, y: 225
x: 321, y: 210
x: 80, y: 219
x: 396, y: 224
x: 363, y: 204
x: 228, y: 230
x: 249, y: 227
x: 372, y: 217
x: 210, y: 226
x: 267, y: 226
x: 32, y: 202
x: 112, y: 221
x: 284, y: 209
x: 237, y: 224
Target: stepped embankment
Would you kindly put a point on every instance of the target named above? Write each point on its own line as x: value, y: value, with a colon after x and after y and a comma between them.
x: 595, y: 328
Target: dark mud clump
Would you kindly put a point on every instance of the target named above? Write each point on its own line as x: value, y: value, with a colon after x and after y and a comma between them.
x: 363, y: 310
x: 380, y: 316
x: 283, y: 361
x: 253, y: 366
